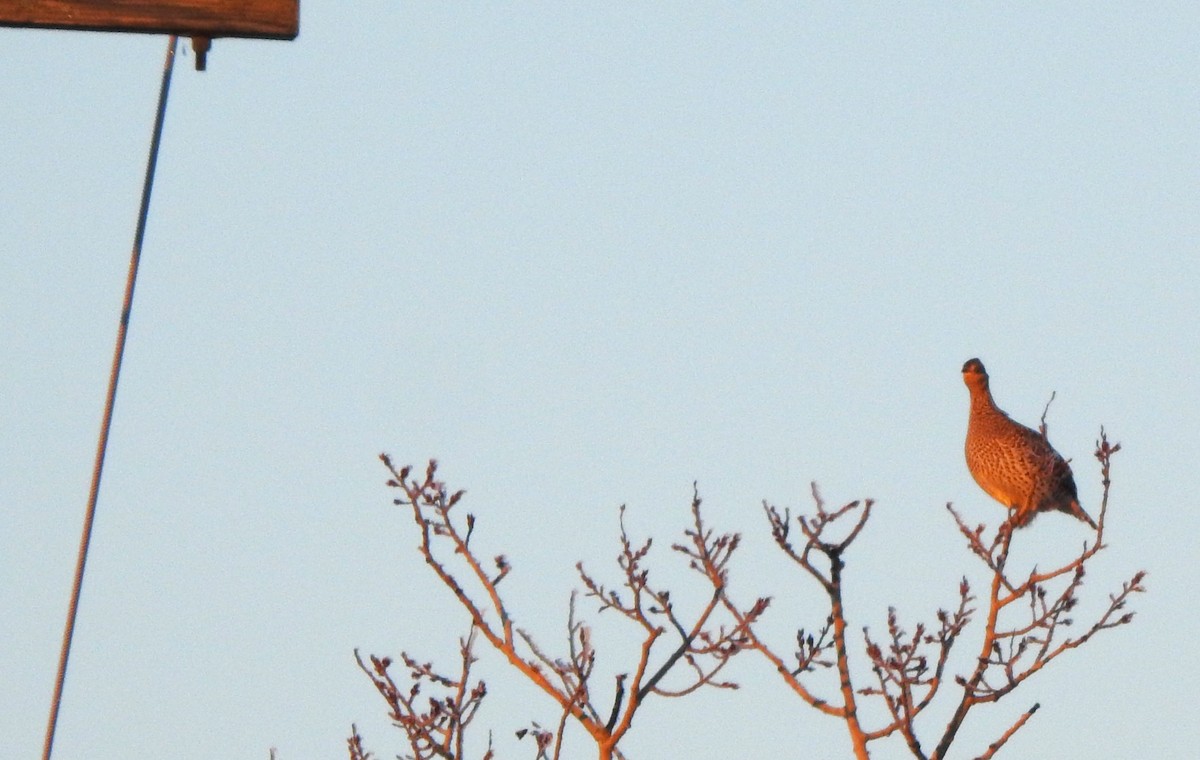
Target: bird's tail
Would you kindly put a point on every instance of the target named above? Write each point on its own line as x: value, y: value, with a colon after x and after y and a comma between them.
x: 1072, y: 508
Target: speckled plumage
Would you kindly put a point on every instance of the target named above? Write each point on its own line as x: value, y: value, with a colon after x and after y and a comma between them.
x: 1014, y: 465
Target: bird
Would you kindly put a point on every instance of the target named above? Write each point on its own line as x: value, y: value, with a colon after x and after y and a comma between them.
x: 1013, y: 464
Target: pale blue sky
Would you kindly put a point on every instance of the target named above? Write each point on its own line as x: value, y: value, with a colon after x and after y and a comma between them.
x: 584, y: 255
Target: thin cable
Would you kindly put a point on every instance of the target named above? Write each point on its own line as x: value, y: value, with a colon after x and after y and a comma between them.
x: 106, y: 424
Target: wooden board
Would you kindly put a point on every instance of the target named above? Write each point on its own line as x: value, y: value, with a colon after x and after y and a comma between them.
x: 267, y: 19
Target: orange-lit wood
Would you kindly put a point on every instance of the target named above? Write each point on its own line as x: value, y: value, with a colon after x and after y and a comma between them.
x: 268, y: 19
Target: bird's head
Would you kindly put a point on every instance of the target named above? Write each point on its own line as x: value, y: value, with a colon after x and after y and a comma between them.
x: 974, y: 375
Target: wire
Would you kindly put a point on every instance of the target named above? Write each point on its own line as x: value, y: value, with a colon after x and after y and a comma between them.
x: 106, y: 423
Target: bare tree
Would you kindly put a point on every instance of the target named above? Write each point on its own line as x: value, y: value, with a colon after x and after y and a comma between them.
x: 694, y: 643
x: 1026, y: 617
x: 435, y: 726
x: 1024, y: 628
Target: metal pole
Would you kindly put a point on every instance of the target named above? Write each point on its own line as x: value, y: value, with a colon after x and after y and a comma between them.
x: 106, y: 423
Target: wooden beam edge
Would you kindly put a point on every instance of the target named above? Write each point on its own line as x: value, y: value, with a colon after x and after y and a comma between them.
x: 276, y: 19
